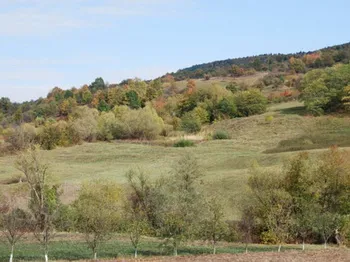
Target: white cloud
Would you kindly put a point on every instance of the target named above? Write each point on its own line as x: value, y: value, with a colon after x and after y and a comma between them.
x: 34, y: 17
x: 26, y: 21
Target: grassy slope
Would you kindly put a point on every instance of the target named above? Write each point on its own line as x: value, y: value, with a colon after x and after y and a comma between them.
x: 223, y: 81
x: 225, y: 166
x: 225, y: 163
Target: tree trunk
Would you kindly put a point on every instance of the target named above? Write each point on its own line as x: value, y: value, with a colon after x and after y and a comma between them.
x: 11, y: 256
x: 175, y: 248
x: 135, y: 254
x: 95, y: 255
x: 337, y: 237
x: 46, y: 257
x: 214, y: 249
x: 325, y: 244
x: 246, y: 248
x: 279, y: 247
x: 303, y: 244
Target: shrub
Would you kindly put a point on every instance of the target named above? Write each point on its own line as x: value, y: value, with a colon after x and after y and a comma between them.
x: 227, y: 107
x: 126, y: 123
x: 268, y: 237
x: 250, y: 102
x: 273, y: 80
x: 142, y: 124
x: 106, y: 126
x: 269, y: 118
x: 20, y: 137
x: 184, y: 143
x: 202, y: 114
x: 85, y: 123
x: 221, y: 135
x: 48, y: 137
x: 191, y: 123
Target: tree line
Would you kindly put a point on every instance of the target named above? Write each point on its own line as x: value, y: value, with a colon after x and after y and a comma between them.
x: 307, y: 201
x: 136, y: 110
x: 284, y: 63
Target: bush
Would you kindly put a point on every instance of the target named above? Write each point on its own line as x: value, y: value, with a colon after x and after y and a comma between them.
x: 273, y: 80
x: 49, y: 136
x: 268, y: 237
x: 84, y: 123
x: 250, y: 102
x: 191, y: 123
x: 227, y: 108
x: 269, y: 118
x: 221, y: 135
x: 142, y: 124
x: 184, y: 143
x: 126, y: 123
x: 106, y: 126
x: 20, y: 137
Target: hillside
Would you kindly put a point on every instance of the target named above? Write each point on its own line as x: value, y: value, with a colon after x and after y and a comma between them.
x: 268, y: 62
x: 250, y: 155
x: 225, y: 163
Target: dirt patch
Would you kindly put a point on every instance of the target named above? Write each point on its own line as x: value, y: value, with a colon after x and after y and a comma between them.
x: 336, y: 255
x: 290, y: 256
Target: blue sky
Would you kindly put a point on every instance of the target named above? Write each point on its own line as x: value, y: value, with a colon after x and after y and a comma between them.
x: 48, y: 43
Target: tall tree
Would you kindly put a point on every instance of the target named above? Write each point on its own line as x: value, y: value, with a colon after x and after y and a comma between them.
x: 97, y: 212
x: 98, y: 84
x: 214, y: 228
x: 44, y: 198
x: 182, y: 206
x: 139, y: 208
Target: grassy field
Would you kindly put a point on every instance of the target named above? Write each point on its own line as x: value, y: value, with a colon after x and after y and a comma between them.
x: 76, y: 249
x: 268, y: 139
x: 225, y: 163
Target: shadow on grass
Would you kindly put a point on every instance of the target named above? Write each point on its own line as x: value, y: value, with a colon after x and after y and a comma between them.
x: 298, y: 110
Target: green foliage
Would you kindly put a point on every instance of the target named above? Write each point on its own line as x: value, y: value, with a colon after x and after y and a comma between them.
x: 191, y: 123
x: 227, y: 108
x: 214, y: 228
x: 21, y: 137
x: 181, y: 203
x: 323, y: 89
x: 98, y: 84
x: 143, y: 123
x: 184, y: 143
x: 44, y: 199
x: 97, y: 212
x: 269, y: 119
x: 48, y: 136
x: 272, y: 62
x: 84, y: 123
x: 221, y: 135
x: 308, y: 196
x: 201, y: 114
x: 233, y: 87
x: 106, y: 126
x: 297, y: 65
x: 273, y: 80
x: 103, y: 106
x: 250, y: 102
x: 133, y: 99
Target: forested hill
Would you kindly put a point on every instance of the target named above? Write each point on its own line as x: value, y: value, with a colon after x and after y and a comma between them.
x: 267, y: 62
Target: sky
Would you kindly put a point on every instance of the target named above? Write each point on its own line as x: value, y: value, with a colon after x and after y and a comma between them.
x: 66, y: 43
